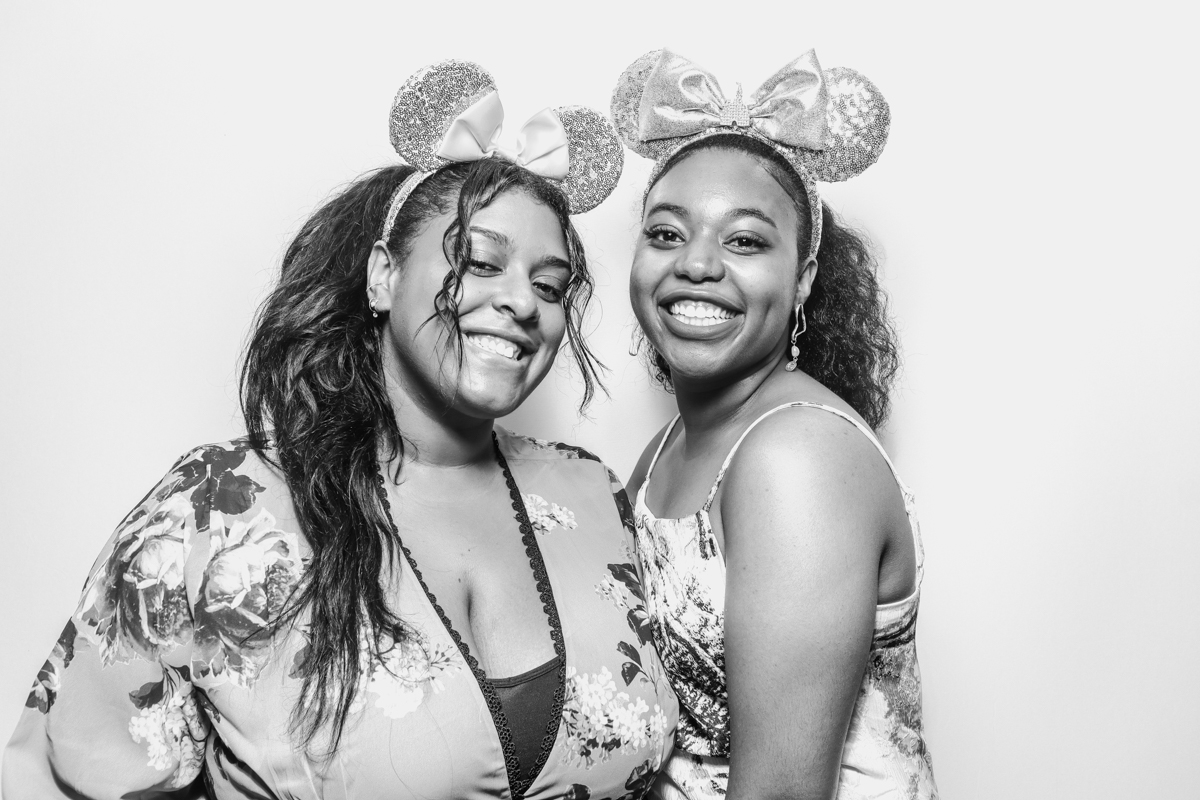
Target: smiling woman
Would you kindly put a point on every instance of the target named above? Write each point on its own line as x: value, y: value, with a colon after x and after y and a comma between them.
x: 781, y: 552
x: 850, y: 348
x: 517, y: 269
x: 379, y: 593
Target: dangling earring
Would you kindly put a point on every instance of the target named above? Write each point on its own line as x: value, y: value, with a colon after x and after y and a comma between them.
x: 800, y: 327
x: 374, y: 311
x: 637, y: 338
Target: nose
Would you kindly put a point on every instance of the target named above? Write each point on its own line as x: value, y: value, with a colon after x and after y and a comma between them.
x: 515, y: 297
x: 700, y: 260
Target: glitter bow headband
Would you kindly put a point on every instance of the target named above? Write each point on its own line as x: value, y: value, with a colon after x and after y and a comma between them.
x: 829, y: 125
x: 451, y: 112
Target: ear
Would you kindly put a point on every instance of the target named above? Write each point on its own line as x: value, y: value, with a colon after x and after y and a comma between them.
x: 381, y: 277
x: 806, y: 275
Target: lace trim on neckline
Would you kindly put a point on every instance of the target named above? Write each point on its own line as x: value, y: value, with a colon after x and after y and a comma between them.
x: 518, y: 784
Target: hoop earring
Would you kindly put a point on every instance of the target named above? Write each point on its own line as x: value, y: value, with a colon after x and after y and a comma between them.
x: 800, y: 327
x: 371, y: 299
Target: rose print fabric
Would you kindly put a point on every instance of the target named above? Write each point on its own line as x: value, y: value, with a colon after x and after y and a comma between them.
x: 684, y: 580
x: 165, y: 683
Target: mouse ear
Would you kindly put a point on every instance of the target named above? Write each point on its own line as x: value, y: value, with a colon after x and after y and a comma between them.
x: 595, y: 157
x: 785, y: 112
x: 858, y: 120
x: 626, y: 105
x: 427, y: 104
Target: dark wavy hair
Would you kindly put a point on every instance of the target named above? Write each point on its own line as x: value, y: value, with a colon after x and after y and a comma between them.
x: 850, y: 345
x: 316, y: 405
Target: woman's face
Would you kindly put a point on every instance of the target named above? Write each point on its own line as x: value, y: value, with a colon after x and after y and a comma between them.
x: 714, y: 277
x: 510, y: 312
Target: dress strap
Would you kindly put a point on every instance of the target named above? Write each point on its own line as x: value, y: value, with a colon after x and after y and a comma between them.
x: 712, y: 493
x: 661, y: 444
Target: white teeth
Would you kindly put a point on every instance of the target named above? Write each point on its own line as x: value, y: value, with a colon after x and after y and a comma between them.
x: 692, y: 312
x: 494, y: 344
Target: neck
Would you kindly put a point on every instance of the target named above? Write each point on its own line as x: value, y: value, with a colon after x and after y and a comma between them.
x: 707, y: 408
x: 436, y: 435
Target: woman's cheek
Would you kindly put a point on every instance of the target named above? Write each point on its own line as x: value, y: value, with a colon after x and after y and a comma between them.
x: 555, y: 317
x: 641, y: 285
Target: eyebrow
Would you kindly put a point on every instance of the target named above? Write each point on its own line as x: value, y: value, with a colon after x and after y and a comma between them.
x: 496, y: 236
x: 733, y: 213
x: 501, y: 239
x: 554, y: 262
x: 751, y: 212
x: 678, y: 211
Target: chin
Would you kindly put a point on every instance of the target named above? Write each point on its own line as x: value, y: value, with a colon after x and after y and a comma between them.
x: 483, y: 406
x: 689, y: 371
x: 693, y: 362
x: 486, y: 392
x: 485, y: 400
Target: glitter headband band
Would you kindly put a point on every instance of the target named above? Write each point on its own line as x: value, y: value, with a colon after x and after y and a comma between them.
x: 401, y: 194
x: 451, y: 112
x: 828, y: 125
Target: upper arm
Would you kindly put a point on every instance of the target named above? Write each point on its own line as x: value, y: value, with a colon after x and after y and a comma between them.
x: 804, y: 509
x: 113, y: 710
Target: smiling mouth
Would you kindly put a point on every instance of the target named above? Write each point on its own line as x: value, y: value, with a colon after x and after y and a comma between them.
x: 494, y: 344
x: 699, y: 313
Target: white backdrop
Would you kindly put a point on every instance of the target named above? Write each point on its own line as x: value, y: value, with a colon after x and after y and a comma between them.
x: 1035, y: 211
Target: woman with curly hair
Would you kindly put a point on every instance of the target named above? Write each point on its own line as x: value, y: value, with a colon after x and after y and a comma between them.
x: 781, y: 555
x: 378, y: 592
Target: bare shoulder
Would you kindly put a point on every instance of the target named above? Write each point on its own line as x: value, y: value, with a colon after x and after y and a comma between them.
x: 809, y: 457
x: 638, y: 476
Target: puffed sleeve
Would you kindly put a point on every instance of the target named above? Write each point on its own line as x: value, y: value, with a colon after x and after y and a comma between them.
x: 113, y: 712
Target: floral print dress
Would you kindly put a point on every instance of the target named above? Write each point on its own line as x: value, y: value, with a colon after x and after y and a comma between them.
x: 684, y: 571
x: 163, y: 682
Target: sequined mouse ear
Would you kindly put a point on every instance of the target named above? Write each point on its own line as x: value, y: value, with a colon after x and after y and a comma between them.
x: 428, y: 103
x: 626, y: 108
x: 596, y: 157
x: 858, y: 119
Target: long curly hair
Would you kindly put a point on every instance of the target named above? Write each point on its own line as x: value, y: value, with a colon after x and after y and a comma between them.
x: 316, y: 406
x: 850, y: 345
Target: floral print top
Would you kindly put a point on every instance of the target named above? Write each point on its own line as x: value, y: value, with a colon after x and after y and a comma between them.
x: 684, y: 572
x: 163, y: 681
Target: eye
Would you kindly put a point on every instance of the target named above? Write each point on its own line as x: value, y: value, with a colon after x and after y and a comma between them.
x: 482, y: 268
x: 662, y: 235
x: 550, y: 290
x: 747, y: 242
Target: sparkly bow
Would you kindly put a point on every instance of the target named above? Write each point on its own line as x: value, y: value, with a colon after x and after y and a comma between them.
x: 541, y: 143
x: 682, y: 99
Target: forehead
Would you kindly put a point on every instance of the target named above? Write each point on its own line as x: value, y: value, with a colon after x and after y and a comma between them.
x: 720, y: 177
x: 514, y: 222
x: 519, y: 222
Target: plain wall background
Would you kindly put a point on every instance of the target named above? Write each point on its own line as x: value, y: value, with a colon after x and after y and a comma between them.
x: 1035, y: 212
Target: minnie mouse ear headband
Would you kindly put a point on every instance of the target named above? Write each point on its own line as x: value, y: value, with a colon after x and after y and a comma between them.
x: 829, y: 125
x: 451, y: 112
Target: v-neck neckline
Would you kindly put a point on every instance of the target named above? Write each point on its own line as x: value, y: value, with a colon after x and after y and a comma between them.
x: 518, y: 784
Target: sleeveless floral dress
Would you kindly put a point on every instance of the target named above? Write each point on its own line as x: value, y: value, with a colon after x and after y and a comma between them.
x: 684, y: 575
x: 164, y: 684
